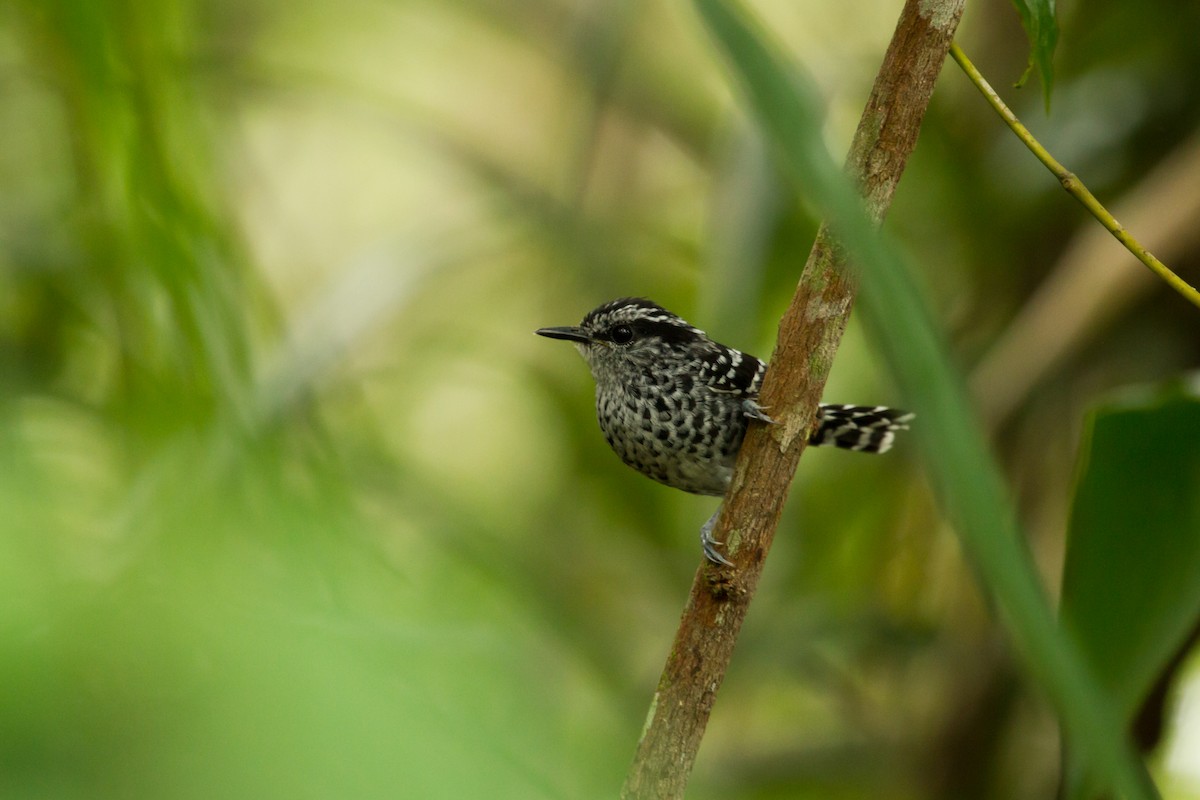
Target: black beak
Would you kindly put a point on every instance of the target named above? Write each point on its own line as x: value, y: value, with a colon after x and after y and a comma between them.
x: 570, y: 334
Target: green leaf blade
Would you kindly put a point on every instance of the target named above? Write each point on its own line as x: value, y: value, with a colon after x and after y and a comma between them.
x: 1131, y: 581
x: 1041, y: 26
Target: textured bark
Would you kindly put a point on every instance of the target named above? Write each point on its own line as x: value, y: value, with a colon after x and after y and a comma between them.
x: 809, y: 334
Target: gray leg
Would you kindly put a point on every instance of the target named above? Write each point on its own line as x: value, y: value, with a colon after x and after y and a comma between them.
x: 709, y: 544
x: 753, y: 410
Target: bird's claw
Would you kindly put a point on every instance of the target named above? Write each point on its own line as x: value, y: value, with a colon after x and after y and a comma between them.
x: 752, y: 410
x: 709, y: 544
x: 716, y: 558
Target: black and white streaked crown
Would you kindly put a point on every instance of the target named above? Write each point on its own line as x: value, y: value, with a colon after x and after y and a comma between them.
x: 647, y: 317
x: 628, y: 309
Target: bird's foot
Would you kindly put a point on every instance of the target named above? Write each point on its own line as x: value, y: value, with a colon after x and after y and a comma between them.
x: 752, y: 410
x: 709, y: 544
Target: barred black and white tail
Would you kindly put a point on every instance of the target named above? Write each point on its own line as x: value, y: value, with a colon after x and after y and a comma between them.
x: 870, y: 429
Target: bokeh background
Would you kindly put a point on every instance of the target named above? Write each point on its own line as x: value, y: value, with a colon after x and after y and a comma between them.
x: 293, y: 502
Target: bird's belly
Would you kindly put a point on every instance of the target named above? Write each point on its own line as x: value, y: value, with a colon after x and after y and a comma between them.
x: 691, y: 451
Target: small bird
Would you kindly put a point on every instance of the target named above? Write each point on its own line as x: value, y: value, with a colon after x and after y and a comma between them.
x: 675, y: 405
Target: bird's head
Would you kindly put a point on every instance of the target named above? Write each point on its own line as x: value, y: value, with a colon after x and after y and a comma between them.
x: 631, y: 334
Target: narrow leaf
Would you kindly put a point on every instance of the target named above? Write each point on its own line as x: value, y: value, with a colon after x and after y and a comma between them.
x: 1037, y: 17
x: 967, y: 478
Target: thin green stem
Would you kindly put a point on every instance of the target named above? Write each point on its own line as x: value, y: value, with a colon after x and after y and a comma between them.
x: 1070, y: 181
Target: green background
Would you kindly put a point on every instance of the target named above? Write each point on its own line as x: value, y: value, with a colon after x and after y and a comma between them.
x: 293, y: 502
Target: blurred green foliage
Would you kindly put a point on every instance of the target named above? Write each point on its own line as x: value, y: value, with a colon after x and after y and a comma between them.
x: 294, y: 502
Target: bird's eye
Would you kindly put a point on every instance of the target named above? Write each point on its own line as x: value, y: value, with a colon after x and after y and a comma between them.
x: 622, y: 334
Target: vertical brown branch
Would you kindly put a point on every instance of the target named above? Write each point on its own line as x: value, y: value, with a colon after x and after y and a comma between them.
x: 809, y: 334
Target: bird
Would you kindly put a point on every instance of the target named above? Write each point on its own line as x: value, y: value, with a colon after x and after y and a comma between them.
x: 675, y: 405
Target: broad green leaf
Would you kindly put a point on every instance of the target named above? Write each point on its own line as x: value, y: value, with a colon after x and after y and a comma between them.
x: 1131, y: 582
x: 967, y: 479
